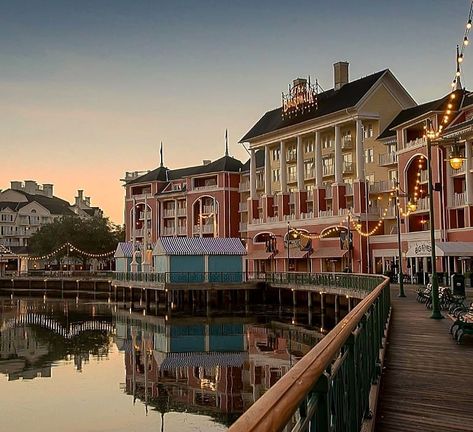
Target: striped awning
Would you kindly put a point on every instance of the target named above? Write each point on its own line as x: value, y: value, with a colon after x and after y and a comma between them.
x: 169, y: 361
x: 125, y: 249
x: 329, y: 252
x: 294, y: 253
x: 260, y: 255
x: 199, y: 246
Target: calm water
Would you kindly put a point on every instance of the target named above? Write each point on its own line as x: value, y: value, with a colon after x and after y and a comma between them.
x: 68, y: 365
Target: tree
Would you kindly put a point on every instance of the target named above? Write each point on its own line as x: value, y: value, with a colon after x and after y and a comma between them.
x: 92, y: 235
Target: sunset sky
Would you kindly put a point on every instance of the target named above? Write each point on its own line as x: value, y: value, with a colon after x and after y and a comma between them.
x: 90, y: 88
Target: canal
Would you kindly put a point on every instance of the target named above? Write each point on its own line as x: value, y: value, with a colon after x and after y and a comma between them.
x: 85, y: 364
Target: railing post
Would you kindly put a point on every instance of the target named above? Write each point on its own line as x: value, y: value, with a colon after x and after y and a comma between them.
x: 354, y: 421
x: 322, y: 416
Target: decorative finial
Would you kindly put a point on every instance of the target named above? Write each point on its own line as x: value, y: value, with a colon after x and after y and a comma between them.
x: 161, y: 154
x: 226, y: 142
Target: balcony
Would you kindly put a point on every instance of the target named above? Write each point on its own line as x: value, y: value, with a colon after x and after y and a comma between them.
x: 169, y: 231
x: 137, y: 232
x: 348, y: 189
x: 169, y: 213
x: 181, y: 230
x: 259, y: 184
x: 310, y: 195
x: 343, y: 211
x: 325, y: 213
x: 382, y: 186
x: 459, y: 199
x: 257, y: 221
x: 348, y: 167
x: 292, y: 198
x: 387, y: 159
x: 291, y: 156
x: 459, y: 171
x: 243, y: 227
x: 347, y: 143
x: 418, y: 142
x: 205, y: 187
x: 291, y: 178
x: 309, y: 215
x: 290, y: 217
x: 244, y: 187
x: 327, y: 170
x: 272, y: 219
x: 422, y: 204
x: 309, y: 174
x: 208, y: 209
x: 181, y: 211
x: 206, y: 229
x: 243, y: 207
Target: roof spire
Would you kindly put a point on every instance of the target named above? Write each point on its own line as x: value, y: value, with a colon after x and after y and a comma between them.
x: 161, y: 155
x: 458, y: 84
x: 226, y: 142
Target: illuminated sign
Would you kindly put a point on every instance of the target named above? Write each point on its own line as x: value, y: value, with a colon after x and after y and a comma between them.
x: 301, y: 98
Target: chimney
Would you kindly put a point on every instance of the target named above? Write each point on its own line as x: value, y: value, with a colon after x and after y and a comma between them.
x: 340, y: 75
x: 31, y: 187
x: 15, y: 185
x: 48, y: 190
x: 87, y: 201
x: 206, y: 162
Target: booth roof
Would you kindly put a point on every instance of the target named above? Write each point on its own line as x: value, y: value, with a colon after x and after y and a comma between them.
x: 199, y: 246
x: 125, y: 249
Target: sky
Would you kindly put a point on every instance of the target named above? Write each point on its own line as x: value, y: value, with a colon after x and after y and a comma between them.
x: 89, y: 89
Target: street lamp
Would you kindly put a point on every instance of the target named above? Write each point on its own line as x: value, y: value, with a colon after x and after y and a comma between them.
x: 399, y: 249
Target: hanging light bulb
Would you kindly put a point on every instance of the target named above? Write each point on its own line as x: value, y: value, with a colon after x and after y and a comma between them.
x: 466, y: 41
x: 456, y: 158
x: 460, y: 58
x: 468, y: 24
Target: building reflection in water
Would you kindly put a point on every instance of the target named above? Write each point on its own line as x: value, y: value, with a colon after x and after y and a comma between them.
x: 34, y: 335
x: 216, y: 366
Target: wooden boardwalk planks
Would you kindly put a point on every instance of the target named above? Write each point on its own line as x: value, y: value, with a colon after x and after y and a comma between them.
x: 427, y: 383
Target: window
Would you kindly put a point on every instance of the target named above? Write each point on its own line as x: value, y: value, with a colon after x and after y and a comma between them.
x: 348, y: 163
x: 391, y: 148
x: 392, y: 175
x: 369, y: 155
x: 308, y: 169
x: 368, y: 130
x: 309, y: 146
x: 276, y: 153
x: 370, y: 178
x: 276, y: 175
x: 327, y: 142
x: 291, y: 153
x: 291, y: 173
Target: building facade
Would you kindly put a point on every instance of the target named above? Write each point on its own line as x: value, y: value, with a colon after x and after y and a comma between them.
x: 317, y: 167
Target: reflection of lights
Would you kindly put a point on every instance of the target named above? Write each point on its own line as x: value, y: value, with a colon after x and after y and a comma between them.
x: 293, y: 321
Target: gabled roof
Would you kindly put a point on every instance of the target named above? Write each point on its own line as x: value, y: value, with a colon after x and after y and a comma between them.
x: 125, y: 249
x: 55, y: 205
x: 199, y: 246
x: 224, y: 164
x: 328, y: 102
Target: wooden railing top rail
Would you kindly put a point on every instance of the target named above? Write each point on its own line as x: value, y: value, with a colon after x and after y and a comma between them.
x: 274, y: 409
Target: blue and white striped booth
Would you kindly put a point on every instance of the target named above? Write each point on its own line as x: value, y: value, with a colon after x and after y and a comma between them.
x: 200, y: 259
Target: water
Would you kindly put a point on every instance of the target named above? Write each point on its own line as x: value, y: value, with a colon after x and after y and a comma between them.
x: 81, y: 365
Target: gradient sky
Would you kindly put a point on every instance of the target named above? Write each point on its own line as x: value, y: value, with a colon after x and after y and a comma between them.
x: 88, y: 89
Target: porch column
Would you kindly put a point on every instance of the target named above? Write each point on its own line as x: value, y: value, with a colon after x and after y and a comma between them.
x: 283, y: 167
x: 267, y: 171
x: 253, y: 174
x: 338, y: 156
x: 300, y: 165
x: 360, y: 156
x: 468, y: 174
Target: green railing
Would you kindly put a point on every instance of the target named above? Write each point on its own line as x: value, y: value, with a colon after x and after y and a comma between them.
x: 328, y: 389
x: 183, y: 277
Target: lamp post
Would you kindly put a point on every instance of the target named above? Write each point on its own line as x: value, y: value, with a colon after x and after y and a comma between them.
x: 287, y: 245
x: 399, y: 249
x: 435, y: 283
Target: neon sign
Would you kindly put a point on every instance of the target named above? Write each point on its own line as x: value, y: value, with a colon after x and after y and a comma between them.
x: 301, y: 98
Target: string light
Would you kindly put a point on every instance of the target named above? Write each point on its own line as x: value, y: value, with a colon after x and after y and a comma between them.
x: 73, y: 249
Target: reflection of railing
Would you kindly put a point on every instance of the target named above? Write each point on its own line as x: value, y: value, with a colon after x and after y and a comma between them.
x: 331, y: 384
x: 53, y: 274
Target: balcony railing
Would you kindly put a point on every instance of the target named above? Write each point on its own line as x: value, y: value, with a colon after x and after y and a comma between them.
x: 259, y: 184
x: 309, y: 173
x: 243, y: 227
x: 418, y: 142
x: 347, y: 143
x: 459, y: 171
x: 244, y: 187
x: 206, y: 229
x: 169, y: 213
x: 309, y: 215
x: 382, y: 186
x: 459, y: 199
x: 289, y: 217
x: 422, y: 204
x: 424, y: 176
x: 343, y: 211
x: 291, y: 156
x: 207, y: 209
x: 387, y: 159
x: 181, y: 230
x: 348, y: 167
x: 243, y: 207
x: 325, y: 213
x: 205, y: 187
x: 310, y: 195
x: 182, y: 211
x: 169, y: 231
x: 291, y: 178
x: 273, y: 219
x: 327, y: 170
x: 328, y: 192
x: 257, y: 221
x: 137, y: 232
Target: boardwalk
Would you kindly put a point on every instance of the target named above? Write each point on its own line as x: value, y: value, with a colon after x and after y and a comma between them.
x: 427, y: 383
